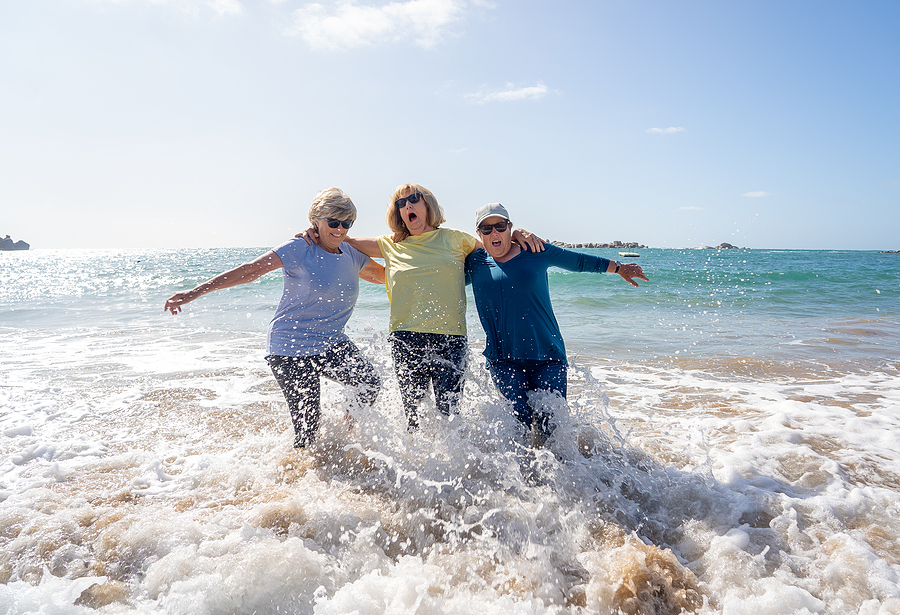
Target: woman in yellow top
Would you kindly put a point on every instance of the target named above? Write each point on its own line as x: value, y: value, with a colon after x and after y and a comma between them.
x: 426, y: 288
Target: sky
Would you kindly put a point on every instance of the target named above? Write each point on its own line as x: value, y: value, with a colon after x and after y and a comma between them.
x: 214, y: 123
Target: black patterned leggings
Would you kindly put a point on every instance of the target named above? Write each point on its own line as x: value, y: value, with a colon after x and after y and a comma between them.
x: 298, y: 378
x: 423, y: 359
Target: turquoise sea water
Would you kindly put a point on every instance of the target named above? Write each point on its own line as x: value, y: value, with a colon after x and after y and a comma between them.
x: 825, y: 305
x: 730, y: 446
x: 772, y: 303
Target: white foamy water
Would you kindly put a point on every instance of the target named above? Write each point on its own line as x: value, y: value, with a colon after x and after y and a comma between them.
x: 145, y: 466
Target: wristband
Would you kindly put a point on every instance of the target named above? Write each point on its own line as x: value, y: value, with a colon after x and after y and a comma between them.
x: 618, y: 264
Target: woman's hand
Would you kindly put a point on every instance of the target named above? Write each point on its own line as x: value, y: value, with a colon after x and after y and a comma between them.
x: 632, y: 270
x: 525, y: 238
x: 310, y: 236
x: 174, y: 303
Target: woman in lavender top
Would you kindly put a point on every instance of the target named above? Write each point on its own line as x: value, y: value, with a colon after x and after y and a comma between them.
x: 306, y: 338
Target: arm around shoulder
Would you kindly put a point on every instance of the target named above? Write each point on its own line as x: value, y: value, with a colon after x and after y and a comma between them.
x: 368, y: 246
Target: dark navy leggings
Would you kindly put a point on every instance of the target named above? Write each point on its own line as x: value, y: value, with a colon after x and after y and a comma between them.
x: 298, y: 378
x: 516, y: 379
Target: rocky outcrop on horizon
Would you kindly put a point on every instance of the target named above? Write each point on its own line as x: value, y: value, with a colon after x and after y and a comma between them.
x: 631, y: 245
x: 8, y: 244
x: 723, y: 246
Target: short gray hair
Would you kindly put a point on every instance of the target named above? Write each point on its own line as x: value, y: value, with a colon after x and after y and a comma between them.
x: 332, y: 203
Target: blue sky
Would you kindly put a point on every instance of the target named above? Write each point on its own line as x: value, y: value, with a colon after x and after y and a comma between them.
x: 194, y: 123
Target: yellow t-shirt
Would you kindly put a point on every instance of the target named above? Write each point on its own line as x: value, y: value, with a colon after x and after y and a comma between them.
x: 425, y: 281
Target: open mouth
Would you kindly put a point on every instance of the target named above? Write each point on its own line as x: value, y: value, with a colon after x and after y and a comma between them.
x: 412, y: 216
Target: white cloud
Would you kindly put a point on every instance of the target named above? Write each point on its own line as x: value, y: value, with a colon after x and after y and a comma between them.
x: 891, y: 184
x: 691, y: 208
x: 226, y: 7
x: 758, y: 194
x: 509, y: 94
x: 344, y: 24
x: 665, y: 131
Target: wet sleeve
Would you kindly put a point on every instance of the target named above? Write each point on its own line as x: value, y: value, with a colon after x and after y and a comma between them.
x: 575, y: 261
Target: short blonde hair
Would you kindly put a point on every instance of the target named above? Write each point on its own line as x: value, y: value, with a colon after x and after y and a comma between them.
x: 435, y: 211
x: 332, y: 203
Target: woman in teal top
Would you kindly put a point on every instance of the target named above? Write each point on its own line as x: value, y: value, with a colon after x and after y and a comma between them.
x: 524, y: 346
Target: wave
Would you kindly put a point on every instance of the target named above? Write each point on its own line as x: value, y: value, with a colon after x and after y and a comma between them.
x: 153, y: 472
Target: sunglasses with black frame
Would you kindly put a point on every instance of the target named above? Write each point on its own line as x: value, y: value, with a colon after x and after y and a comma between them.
x: 487, y: 229
x: 334, y: 223
x: 412, y: 198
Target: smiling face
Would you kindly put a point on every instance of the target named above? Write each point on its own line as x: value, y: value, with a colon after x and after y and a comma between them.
x: 415, y: 215
x: 496, y: 243
x: 336, y: 204
x: 330, y: 238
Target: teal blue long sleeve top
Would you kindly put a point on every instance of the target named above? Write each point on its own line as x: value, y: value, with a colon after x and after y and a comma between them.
x: 513, y: 301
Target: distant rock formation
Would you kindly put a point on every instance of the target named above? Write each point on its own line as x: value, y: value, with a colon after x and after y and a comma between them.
x: 8, y: 244
x: 723, y: 246
x: 632, y: 245
x: 891, y: 252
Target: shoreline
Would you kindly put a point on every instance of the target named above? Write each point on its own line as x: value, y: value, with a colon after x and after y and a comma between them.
x: 561, y: 244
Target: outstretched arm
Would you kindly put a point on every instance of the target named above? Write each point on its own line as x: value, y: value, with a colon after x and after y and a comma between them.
x: 579, y: 261
x: 242, y: 274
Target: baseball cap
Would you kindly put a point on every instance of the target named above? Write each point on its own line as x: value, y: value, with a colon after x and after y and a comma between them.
x: 491, y: 209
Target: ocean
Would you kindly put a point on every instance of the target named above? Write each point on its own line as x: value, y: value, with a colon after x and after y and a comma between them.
x: 731, y: 445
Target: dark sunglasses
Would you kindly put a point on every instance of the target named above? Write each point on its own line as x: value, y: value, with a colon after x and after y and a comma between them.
x: 412, y: 198
x: 487, y: 229
x: 334, y: 222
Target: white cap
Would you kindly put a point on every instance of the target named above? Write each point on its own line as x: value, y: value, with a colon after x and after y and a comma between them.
x: 491, y: 209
